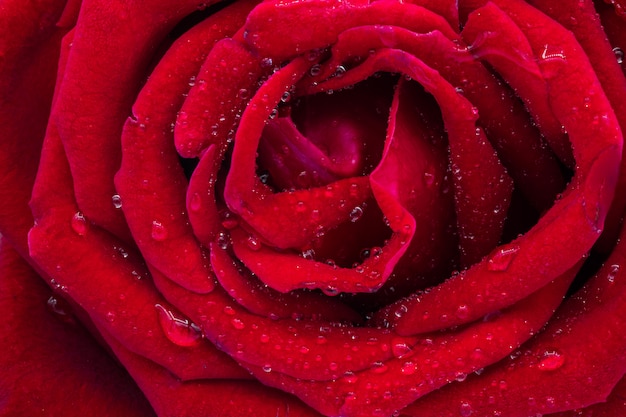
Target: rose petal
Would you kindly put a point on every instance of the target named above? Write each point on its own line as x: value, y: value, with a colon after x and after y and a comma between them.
x: 597, y: 149
x: 94, y: 158
x: 29, y: 46
x: 112, y: 287
x: 273, y: 28
x: 220, y: 91
x: 564, y: 360
x: 508, y: 127
x: 46, y: 361
x: 435, y: 360
x: 262, y: 300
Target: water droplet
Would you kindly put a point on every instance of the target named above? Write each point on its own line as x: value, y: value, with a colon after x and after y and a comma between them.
x: 79, y: 224
x: 408, y: 368
x: 340, y: 71
x: 222, y: 240
x: 315, y: 70
x: 267, y: 62
x: 465, y: 409
x: 356, y: 214
x: 159, y: 232
x: 379, y: 367
x: 110, y: 316
x: 463, y: 311
x: 195, y: 202
x: 613, y: 271
x: 401, y: 349
x: 300, y: 207
x: 550, y: 53
x: 400, y: 311
x: 286, y: 97
x: 551, y: 361
x: 308, y: 254
x: 253, y: 243
x: 502, y: 259
x: 229, y: 310
x: 619, y: 54
x: 117, y: 201
x: 243, y: 94
x: 56, y: 306
x: 267, y: 368
x: 237, y: 323
x: 179, y: 331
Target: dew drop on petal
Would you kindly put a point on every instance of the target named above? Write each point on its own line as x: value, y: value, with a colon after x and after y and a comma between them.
x: 613, y: 271
x: 619, y: 55
x: 253, y: 243
x: 408, y: 368
x: 179, y: 331
x: 79, y: 224
x: 465, y: 409
x: 400, y: 311
x: 117, y: 201
x: 502, y: 259
x: 56, y: 307
x: 401, y: 349
x: 462, y: 311
x: 195, y: 202
x: 237, y: 323
x: 158, y: 232
x: 379, y: 367
x: 356, y: 214
x: 551, y: 361
x: 110, y: 316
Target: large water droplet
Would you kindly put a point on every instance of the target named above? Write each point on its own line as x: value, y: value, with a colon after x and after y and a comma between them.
x: 356, y: 214
x: 502, y: 259
x: 117, y: 201
x: 465, y: 409
x: 619, y: 54
x: 179, y: 331
x: 401, y: 349
x: 551, y: 361
x: 159, y: 232
x: 79, y: 224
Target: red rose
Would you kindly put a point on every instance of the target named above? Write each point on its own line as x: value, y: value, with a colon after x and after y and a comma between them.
x: 318, y: 207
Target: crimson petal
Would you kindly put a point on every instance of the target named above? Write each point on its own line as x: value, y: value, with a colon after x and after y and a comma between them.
x: 47, y: 361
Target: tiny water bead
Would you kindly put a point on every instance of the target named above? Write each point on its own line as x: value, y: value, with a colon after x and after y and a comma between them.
x: 195, y: 202
x: 179, y: 331
x: 502, y: 259
x: 79, y: 224
x: 158, y: 232
x: 117, y: 201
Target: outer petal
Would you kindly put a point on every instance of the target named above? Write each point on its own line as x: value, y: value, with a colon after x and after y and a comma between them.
x: 49, y: 361
x: 29, y: 48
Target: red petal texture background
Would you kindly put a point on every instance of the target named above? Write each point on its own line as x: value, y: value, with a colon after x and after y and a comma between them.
x: 312, y: 208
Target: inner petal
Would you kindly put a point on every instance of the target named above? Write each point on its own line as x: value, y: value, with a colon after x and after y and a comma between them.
x: 328, y: 136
